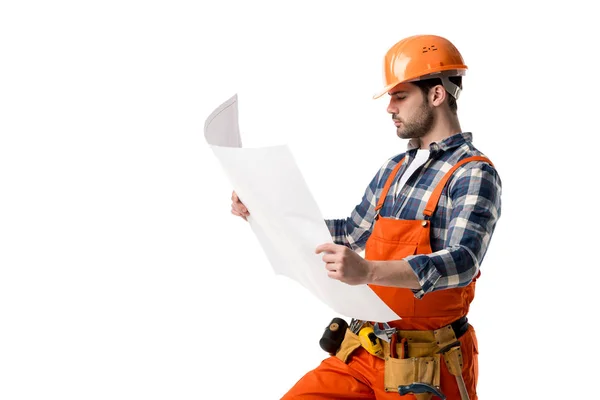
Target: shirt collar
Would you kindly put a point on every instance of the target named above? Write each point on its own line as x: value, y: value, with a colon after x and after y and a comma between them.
x: 448, y: 143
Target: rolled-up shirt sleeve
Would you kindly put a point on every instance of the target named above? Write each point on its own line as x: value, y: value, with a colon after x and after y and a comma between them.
x: 474, y: 193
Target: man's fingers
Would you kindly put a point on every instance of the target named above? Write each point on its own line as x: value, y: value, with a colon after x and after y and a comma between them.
x: 238, y: 205
x: 333, y: 275
x: 331, y: 267
x: 329, y: 258
x: 234, y: 212
x: 236, y: 199
x: 326, y: 247
x: 241, y: 209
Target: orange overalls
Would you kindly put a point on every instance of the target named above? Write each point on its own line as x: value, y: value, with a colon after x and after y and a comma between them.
x: 362, y: 375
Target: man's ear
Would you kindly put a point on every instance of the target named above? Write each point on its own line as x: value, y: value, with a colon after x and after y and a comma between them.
x: 437, y: 95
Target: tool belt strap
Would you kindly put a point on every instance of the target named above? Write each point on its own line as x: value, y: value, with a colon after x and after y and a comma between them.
x: 442, y: 339
x: 456, y: 329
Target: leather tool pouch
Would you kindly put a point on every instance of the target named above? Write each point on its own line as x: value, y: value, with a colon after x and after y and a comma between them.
x: 350, y: 343
x: 422, y: 364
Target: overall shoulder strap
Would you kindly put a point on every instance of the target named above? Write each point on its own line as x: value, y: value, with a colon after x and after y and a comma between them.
x: 437, y: 192
x: 387, y: 186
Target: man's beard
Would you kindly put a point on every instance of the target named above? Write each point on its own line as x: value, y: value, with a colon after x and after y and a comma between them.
x: 420, y: 125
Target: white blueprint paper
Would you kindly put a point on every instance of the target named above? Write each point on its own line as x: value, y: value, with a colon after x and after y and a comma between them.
x: 284, y: 216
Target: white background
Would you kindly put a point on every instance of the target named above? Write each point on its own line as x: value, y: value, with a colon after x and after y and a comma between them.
x: 123, y: 274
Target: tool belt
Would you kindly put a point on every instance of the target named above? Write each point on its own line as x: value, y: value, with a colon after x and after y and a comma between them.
x: 414, y: 357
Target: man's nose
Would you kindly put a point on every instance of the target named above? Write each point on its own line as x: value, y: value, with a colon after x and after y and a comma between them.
x: 391, y: 108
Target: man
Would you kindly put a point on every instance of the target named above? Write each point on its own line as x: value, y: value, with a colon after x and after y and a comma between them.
x: 425, y: 223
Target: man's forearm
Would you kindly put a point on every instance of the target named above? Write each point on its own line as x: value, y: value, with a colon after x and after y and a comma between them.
x: 396, y: 273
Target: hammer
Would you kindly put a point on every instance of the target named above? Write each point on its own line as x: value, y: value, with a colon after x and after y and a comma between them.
x: 453, y: 359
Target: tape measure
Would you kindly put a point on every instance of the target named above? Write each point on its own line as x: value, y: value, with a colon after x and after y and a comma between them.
x: 369, y: 341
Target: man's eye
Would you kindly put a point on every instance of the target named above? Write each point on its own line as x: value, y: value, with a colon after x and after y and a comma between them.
x: 401, y: 97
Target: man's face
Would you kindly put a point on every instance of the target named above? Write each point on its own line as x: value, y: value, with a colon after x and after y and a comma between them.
x: 411, y: 112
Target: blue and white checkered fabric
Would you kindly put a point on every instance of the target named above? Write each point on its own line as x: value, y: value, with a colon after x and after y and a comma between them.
x: 462, y: 225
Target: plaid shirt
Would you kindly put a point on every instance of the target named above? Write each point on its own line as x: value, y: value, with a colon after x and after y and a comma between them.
x: 462, y: 225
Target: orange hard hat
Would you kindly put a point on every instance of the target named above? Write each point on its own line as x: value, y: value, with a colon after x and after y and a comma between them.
x: 422, y: 57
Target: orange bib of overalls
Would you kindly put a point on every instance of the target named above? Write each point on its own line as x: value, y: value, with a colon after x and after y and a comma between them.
x: 362, y: 376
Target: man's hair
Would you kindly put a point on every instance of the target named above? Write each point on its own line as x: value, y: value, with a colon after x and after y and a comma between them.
x: 427, y: 84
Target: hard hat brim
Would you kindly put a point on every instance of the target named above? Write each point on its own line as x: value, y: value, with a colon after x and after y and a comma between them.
x: 460, y: 71
x: 385, y: 90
